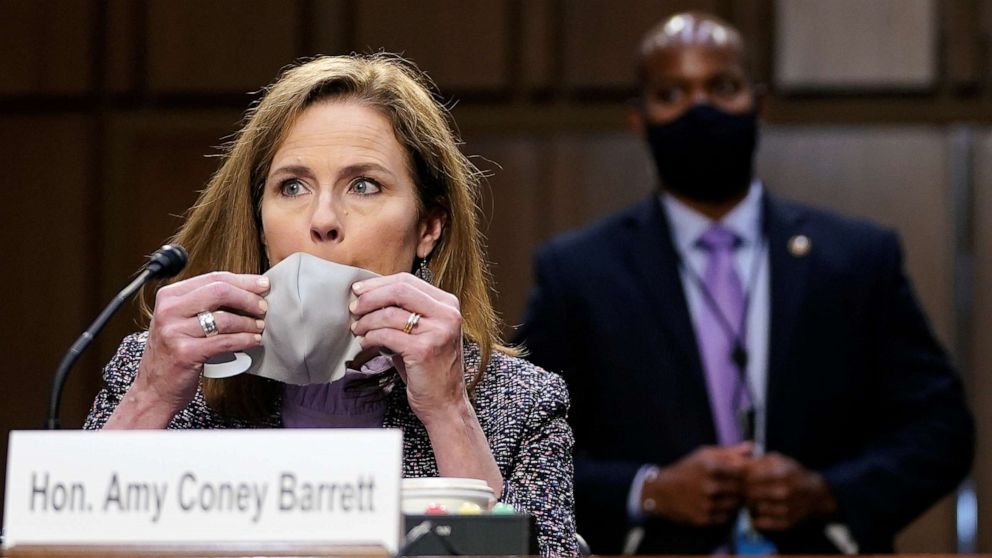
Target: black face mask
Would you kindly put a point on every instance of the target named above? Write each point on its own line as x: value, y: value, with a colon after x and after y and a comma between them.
x: 706, y: 154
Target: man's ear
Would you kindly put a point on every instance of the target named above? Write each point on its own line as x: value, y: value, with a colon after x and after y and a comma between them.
x: 635, y: 118
x: 760, y: 99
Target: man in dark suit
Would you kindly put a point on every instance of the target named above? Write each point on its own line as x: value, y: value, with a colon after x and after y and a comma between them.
x: 727, y: 350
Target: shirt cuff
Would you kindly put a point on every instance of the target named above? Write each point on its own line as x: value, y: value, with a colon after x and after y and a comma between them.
x: 634, y: 511
x: 841, y: 537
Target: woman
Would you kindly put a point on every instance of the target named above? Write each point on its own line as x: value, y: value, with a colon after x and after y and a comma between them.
x: 352, y: 159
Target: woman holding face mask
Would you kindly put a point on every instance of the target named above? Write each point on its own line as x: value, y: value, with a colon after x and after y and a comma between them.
x: 353, y: 160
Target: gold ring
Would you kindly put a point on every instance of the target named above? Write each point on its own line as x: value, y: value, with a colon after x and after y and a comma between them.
x: 411, y: 322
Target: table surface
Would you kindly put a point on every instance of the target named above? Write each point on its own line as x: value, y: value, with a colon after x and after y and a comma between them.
x: 254, y: 550
x: 229, y: 550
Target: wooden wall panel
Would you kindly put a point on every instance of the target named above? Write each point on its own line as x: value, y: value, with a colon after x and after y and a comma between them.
x: 883, y: 44
x: 755, y: 19
x: 155, y: 169
x: 331, y: 27
x: 31, y: 62
x: 513, y: 208
x: 48, y: 270
x: 47, y: 232
x: 962, y: 42
x: 981, y: 340
x: 548, y: 185
x: 124, y: 62
x: 462, y: 45
x: 219, y: 46
x: 594, y: 175
x: 538, y: 46
x: 985, y: 30
x: 934, y: 532
x: 600, y: 37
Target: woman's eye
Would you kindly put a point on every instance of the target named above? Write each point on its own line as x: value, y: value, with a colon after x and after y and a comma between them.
x: 365, y: 186
x: 291, y: 188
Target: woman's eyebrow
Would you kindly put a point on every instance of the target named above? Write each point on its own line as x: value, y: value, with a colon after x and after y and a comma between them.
x: 359, y: 168
x: 296, y: 170
x: 350, y: 170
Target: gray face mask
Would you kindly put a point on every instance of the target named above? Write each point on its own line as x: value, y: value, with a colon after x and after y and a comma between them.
x: 307, y: 337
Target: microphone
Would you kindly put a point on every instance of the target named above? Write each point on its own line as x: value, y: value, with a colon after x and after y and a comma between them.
x: 166, y: 262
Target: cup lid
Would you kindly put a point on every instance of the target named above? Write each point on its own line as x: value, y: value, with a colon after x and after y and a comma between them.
x: 441, y: 483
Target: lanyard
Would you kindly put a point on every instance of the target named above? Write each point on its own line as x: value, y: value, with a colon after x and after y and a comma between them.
x: 736, y: 336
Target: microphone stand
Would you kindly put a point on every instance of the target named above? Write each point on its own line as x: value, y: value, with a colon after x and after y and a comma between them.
x: 165, y: 262
x: 84, y: 340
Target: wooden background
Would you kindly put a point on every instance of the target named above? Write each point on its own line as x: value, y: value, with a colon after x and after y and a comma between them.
x: 109, y: 111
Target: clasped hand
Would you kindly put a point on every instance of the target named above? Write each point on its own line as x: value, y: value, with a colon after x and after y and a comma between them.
x: 708, y: 486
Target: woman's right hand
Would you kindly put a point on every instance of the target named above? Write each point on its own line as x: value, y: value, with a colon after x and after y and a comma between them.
x: 177, y: 345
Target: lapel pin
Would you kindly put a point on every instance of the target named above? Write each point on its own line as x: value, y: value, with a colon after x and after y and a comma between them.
x: 799, y: 245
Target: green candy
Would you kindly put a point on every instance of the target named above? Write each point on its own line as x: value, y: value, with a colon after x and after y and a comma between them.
x: 503, y: 509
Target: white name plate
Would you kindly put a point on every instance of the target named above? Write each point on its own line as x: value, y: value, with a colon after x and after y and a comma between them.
x: 339, y: 486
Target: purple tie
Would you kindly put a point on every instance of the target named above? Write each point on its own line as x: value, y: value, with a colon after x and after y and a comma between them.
x: 718, y: 325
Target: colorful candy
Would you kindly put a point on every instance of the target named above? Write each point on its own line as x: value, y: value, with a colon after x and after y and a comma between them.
x: 468, y: 508
x: 435, y: 509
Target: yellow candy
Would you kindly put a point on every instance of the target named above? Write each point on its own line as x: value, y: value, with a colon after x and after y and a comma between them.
x: 468, y: 508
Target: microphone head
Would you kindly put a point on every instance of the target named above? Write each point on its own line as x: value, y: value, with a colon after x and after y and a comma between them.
x: 167, y: 261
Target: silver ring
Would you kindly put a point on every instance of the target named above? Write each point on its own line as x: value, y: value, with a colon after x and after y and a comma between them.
x: 207, y: 324
x: 411, y: 322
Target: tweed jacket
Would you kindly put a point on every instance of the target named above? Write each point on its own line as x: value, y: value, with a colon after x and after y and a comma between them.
x: 521, y: 408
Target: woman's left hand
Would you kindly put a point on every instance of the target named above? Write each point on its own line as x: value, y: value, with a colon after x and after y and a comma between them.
x: 428, y: 354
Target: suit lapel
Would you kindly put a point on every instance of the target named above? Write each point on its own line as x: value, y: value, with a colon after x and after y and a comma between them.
x: 651, y: 255
x: 789, y: 270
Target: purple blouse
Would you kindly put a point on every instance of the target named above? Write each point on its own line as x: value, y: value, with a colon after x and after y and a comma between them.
x: 336, y: 405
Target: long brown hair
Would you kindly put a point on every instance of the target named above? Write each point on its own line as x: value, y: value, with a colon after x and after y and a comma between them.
x: 222, y: 229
